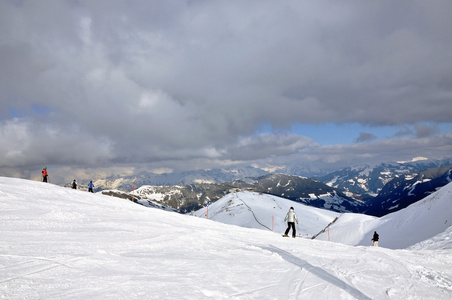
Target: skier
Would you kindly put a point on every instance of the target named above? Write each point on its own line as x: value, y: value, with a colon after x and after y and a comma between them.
x: 90, y: 187
x: 375, y: 239
x: 291, y: 217
x: 44, y: 174
x: 74, y: 184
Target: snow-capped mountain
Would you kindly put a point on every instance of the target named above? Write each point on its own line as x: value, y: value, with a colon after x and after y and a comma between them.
x: 184, y: 198
x: 304, y: 190
x: 179, y: 178
x: 401, y: 191
x: 367, y: 179
x: 187, y: 198
x: 59, y: 243
x: 408, y: 188
x: 363, y: 179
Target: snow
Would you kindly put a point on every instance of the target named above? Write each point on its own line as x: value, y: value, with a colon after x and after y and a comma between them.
x: 59, y: 243
x: 205, y: 181
x: 419, y: 221
x: 267, y: 212
x: 419, y: 158
x: 366, y: 172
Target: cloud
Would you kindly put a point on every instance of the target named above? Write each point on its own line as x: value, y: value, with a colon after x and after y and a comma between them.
x: 266, y: 145
x: 404, y: 131
x: 191, y: 82
x: 30, y: 144
x: 365, y: 137
x: 373, y: 152
x: 425, y: 130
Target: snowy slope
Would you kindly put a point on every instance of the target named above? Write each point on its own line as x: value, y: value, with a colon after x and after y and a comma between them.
x: 267, y: 212
x: 420, y: 221
x: 58, y: 243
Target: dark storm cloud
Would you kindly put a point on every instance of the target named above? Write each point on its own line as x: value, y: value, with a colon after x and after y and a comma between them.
x: 163, y: 81
x: 365, y: 137
x: 425, y: 130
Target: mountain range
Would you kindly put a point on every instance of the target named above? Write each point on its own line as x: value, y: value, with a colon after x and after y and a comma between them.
x: 187, y: 198
x: 362, y: 179
x: 400, y: 189
x: 370, y: 180
x: 408, y: 188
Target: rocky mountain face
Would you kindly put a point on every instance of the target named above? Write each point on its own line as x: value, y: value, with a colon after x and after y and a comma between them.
x: 370, y: 180
x: 305, y: 190
x: 185, y: 198
x: 407, y: 189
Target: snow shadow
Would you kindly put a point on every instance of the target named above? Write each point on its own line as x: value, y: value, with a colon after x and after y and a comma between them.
x: 319, y: 272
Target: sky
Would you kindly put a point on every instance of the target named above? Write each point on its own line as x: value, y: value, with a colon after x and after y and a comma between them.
x: 114, y: 87
x: 102, y: 247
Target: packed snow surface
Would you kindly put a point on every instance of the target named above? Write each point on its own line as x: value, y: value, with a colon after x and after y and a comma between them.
x: 416, y: 223
x: 266, y: 212
x: 59, y: 243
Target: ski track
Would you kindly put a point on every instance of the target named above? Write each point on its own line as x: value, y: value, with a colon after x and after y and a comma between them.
x: 319, y: 272
x: 27, y: 266
x: 249, y: 208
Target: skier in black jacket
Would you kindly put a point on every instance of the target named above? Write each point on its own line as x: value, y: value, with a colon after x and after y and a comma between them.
x: 375, y: 239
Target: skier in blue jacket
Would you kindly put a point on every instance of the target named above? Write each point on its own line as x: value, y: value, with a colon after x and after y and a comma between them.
x: 90, y: 187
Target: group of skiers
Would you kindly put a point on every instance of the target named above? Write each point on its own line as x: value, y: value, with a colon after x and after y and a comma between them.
x: 74, y: 184
x: 90, y: 186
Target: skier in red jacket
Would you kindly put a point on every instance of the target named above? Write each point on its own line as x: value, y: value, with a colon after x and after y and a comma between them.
x: 44, y: 174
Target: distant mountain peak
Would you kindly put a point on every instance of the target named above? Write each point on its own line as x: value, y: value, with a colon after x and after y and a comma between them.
x: 418, y: 158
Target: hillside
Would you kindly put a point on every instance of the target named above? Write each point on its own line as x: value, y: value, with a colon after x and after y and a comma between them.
x: 420, y: 221
x: 407, y: 189
x: 267, y: 212
x: 416, y: 223
x: 59, y: 243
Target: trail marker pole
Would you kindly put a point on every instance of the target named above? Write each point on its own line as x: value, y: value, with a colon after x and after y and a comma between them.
x: 207, y: 210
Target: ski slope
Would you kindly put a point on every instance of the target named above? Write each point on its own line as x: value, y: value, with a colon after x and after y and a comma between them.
x: 59, y: 243
x: 402, y: 229
x: 416, y: 223
x: 267, y: 212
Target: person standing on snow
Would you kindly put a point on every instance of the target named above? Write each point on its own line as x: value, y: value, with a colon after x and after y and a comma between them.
x: 44, y: 174
x: 291, y: 217
x: 375, y: 239
x: 90, y: 187
x: 74, y: 184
